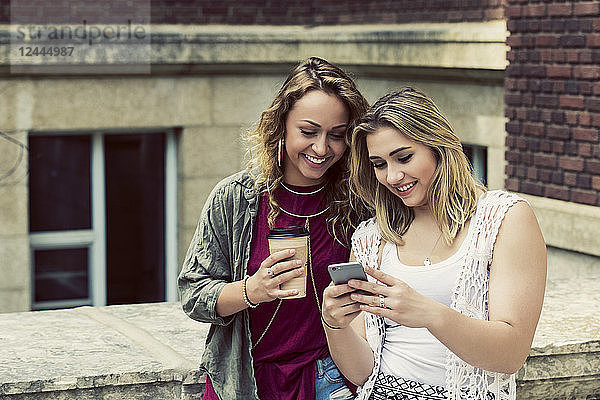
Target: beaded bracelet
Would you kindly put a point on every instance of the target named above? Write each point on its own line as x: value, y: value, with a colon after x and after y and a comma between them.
x: 245, y: 294
x: 329, y: 326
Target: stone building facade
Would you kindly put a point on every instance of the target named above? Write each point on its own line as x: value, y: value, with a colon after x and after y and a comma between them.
x: 212, y: 67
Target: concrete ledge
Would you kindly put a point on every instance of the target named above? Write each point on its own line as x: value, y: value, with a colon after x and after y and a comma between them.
x: 185, y: 49
x: 151, y: 351
x: 478, y: 45
x: 564, y: 362
x: 567, y: 225
x: 127, y: 352
x: 565, y: 264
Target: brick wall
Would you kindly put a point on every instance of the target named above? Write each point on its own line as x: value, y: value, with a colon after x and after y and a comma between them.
x: 53, y: 12
x: 552, y: 99
x: 270, y: 12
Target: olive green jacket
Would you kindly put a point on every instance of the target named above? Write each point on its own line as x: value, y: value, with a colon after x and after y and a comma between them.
x: 218, y: 254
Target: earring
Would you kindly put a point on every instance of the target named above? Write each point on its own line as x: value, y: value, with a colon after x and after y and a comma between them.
x: 279, y: 152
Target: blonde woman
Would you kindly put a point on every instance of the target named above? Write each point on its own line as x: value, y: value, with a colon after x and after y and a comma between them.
x: 456, y: 272
x: 260, y: 344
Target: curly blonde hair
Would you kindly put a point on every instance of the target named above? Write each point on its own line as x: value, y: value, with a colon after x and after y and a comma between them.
x: 312, y: 74
x: 453, y: 192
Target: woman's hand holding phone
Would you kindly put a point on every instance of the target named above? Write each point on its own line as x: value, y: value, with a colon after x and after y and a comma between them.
x: 392, y: 298
x: 338, y: 308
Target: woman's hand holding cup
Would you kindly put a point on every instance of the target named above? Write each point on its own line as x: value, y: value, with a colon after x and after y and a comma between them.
x: 278, y: 268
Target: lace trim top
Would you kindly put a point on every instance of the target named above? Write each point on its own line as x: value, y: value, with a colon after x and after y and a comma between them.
x: 470, y: 297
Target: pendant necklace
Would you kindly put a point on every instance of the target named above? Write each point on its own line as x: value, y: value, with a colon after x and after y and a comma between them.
x: 427, y: 260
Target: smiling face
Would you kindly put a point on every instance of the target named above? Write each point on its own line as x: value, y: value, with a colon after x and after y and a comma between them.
x: 402, y: 165
x: 315, y: 129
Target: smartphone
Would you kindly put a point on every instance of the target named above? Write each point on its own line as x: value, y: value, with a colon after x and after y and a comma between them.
x: 343, y: 272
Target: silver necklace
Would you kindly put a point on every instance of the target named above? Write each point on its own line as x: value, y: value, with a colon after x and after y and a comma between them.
x: 427, y: 260
x: 302, y: 193
x: 304, y: 216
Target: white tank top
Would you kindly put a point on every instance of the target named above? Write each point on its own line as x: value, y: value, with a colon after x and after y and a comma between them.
x: 414, y: 353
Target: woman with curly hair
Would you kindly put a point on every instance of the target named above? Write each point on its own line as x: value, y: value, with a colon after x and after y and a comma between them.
x: 264, y: 342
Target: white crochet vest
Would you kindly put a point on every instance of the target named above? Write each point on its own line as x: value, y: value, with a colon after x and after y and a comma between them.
x: 470, y: 297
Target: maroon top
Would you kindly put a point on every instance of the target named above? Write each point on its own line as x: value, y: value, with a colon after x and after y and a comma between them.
x: 284, y: 360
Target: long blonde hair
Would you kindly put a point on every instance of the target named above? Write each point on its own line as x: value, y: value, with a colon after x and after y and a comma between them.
x: 311, y: 74
x: 452, y: 194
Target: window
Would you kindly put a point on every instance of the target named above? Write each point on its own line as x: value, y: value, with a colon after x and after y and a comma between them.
x: 61, y: 275
x: 102, y: 218
x: 477, y: 156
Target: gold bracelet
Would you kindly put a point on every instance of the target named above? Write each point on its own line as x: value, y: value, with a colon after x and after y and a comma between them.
x: 245, y: 294
x: 327, y: 325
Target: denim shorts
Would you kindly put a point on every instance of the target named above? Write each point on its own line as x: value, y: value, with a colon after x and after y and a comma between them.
x: 329, y: 384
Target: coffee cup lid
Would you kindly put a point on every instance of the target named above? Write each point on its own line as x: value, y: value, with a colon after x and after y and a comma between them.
x: 287, y: 232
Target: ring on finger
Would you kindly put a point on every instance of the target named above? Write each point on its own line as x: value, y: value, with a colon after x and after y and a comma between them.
x: 270, y: 272
x: 381, y: 301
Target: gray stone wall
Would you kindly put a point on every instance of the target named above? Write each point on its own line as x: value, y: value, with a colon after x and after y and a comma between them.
x: 146, y: 351
x: 152, y: 351
x: 14, y: 239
